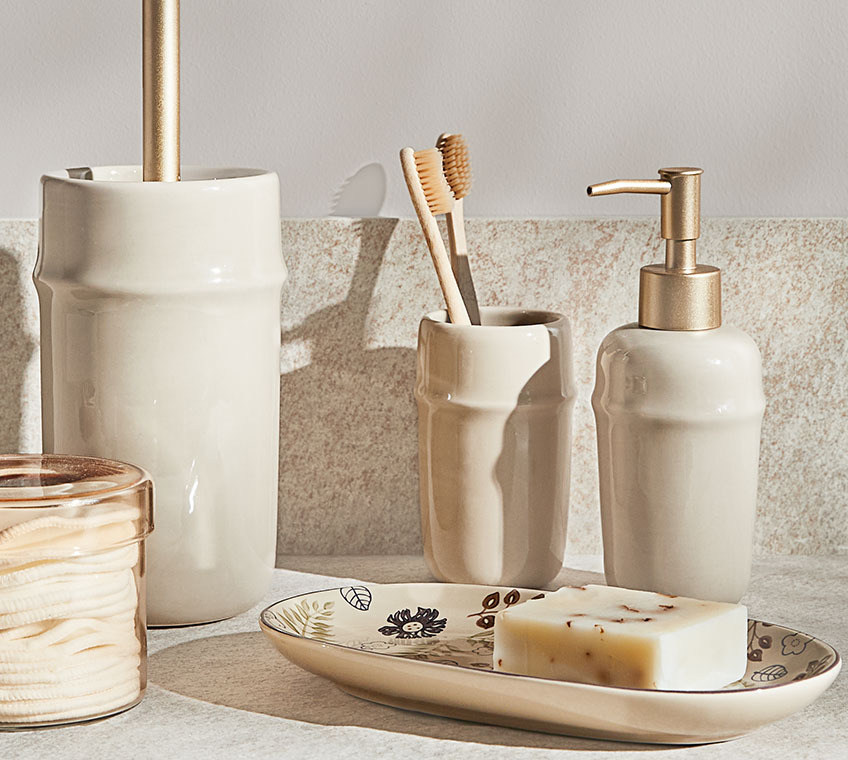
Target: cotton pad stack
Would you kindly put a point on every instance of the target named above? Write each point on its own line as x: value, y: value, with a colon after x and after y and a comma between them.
x: 71, y: 613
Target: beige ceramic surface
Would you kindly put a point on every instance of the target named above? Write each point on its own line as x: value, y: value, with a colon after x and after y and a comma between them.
x: 350, y: 312
x: 160, y: 340
x: 495, y: 408
x: 428, y: 647
x: 678, y: 419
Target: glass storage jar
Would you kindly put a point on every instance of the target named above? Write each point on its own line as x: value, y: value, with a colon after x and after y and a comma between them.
x: 72, y: 597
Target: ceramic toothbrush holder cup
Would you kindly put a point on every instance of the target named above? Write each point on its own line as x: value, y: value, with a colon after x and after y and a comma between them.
x: 495, y: 405
x: 160, y: 345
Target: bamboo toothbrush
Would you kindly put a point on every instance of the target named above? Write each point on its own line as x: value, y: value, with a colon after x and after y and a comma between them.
x: 457, y: 168
x: 431, y: 195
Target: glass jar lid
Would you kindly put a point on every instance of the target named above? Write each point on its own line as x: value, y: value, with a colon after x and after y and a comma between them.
x: 58, y: 505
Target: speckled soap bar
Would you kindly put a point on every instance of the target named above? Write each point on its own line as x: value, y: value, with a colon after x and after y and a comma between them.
x: 620, y: 637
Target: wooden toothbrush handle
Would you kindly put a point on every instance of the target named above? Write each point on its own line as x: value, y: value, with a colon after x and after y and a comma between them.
x: 453, y: 298
x: 459, y: 261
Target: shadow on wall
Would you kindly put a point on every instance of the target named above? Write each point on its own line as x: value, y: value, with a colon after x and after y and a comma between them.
x: 362, y: 194
x: 16, y: 350
x: 341, y: 417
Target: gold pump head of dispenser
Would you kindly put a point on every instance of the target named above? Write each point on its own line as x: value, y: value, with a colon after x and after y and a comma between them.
x: 680, y: 294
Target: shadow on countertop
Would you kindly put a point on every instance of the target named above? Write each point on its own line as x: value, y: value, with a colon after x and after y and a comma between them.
x: 244, y: 671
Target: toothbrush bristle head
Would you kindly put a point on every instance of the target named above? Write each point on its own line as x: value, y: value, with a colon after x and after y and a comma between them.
x: 428, y: 163
x: 456, y: 163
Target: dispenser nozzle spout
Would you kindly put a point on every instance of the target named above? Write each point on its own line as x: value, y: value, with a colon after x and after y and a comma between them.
x: 680, y: 209
x: 614, y: 186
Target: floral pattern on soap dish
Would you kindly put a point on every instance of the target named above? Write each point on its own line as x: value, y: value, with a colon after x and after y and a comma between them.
x: 492, y: 604
x: 405, y: 625
x: 459, y: 630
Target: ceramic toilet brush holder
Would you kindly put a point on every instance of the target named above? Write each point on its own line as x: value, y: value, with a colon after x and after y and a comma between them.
x: 160, y: 334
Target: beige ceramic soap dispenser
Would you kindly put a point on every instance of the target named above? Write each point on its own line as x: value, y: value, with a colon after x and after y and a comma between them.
x: 678, y: 403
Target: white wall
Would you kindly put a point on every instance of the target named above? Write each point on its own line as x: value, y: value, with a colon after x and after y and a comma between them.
x: 551, y: 95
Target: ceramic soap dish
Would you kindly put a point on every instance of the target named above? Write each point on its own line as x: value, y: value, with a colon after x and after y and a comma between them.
x: 428, y: 647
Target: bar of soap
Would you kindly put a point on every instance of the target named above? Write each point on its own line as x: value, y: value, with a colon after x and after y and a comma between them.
x: 620, y: 637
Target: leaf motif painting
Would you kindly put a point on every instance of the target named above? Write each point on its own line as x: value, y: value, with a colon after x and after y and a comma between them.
x: 358, y: 597
x: 770, y: 673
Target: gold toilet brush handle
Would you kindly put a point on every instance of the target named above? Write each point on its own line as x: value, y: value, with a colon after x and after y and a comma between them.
x: 161, y: 83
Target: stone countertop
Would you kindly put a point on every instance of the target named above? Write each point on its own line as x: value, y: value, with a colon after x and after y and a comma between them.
x: 221, y: 690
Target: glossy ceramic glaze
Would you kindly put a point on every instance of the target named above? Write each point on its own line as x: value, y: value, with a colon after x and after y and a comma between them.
x: 160, y: 334
x: 678, y: 417
x: 495, y: 408
x: 428, y: 647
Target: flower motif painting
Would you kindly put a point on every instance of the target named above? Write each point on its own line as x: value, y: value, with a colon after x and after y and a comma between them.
x: 794, y: 643
x: 405, y: 625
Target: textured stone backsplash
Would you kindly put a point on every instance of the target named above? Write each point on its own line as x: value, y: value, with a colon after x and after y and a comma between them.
x: 350, y: 311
